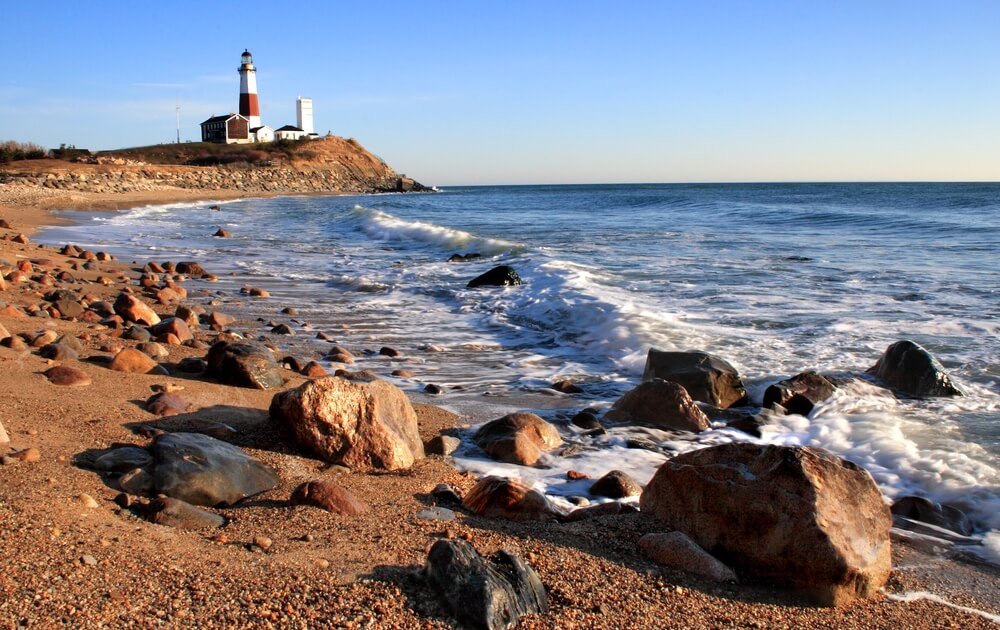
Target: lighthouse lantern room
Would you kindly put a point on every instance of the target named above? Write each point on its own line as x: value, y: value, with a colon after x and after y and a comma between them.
x: 249, y: 106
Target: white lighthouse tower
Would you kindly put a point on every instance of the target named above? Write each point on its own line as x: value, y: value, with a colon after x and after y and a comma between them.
x: 304, y: 114
x: 248, y: 90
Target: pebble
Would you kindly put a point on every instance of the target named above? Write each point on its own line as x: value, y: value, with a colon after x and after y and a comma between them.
x: 89, y: 560
x: 88, y: 501
x: 436, y: 514
x: 322, y: 563
x: 263, y: 542
x: 28, y: 455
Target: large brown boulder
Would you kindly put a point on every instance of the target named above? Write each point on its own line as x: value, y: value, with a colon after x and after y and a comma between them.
x: 800, y: 393
x: 243, y: 365
x: 907, y: 367
x: 364, y: 425
x: 661, y: 404
x: 798, y: 517
x: 706, y: 377
x: 517, y: 438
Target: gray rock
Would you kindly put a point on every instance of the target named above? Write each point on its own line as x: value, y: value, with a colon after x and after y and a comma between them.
x: 176, y: 513
x: 707, y: 378
x: 484, y: 594
x: 909, y: 368
x: 124, y: 459
x: 205, y: 471
x: 501, y: 276
x: 243, y: 365
x: 800, y: 393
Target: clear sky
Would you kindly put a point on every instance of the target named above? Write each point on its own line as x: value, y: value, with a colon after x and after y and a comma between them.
x: 535, y: 92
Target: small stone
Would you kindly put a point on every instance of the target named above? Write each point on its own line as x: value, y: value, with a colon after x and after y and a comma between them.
x: 436, y: 514
x: 575, y: 475
x: 322, y: 563
x: 88, y: 501
x: 28, y: 455
x: 88, y: 560
x: 443, y: 445
x: 433, y: 389
x: 386, y: 351
x: 263, y: 542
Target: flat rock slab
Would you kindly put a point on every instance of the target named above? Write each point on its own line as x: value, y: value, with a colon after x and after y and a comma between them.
x: 205, y: 471
x: 243, y: 365
x: 124, y: 459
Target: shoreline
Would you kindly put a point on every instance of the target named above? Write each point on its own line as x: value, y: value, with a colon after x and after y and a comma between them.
x: 593, y: 573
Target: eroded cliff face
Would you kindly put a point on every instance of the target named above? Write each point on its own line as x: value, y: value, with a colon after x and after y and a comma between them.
x: 329, y: 164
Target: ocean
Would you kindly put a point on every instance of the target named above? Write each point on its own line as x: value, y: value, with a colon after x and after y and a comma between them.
x: 775, y: 278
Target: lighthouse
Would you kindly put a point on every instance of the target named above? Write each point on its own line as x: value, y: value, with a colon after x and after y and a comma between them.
x: 248, y: 90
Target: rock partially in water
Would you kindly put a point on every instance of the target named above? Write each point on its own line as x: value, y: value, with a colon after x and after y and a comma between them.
x: 502, y: 276
x: 616, y: 485
x: 927, y: 511
x: 662, y: 404
x: 517, y: 438
x: 706, y: 377
x: 205, y: 471
x: 511, y: 499
x: 800, y: 393
x: 797, y: 517
x: 484, y: 594
x: 909, y: 368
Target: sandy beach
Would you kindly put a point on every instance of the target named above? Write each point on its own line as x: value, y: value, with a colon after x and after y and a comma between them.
x: 72, y: 557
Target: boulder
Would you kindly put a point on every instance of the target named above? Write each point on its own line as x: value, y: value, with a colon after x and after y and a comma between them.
x: 364, y: 425
x: 133, y: 361
x: 616, y: 485
x: 484, y: 594
x: 909, y: 368
x: 707, y: 378
x: 243, y: 365
x: 517, y: 438
x: 511, y: 499
x: 190, y: 268
x: 502, y: 276
x: 220, y: 321
x: 927, y: 511
x: 329, y: 496
x: 676, y: 550
x: 67, y: 375
x: 662, y: 404
x: 797, y: 517
x: 205, y: 471
x: 800, y: 393
x: 132, y: 309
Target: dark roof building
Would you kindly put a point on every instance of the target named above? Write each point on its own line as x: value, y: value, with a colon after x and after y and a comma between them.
x: 226, y: 129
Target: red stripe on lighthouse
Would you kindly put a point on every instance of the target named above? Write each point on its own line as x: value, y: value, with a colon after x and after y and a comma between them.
x: 248, y: 105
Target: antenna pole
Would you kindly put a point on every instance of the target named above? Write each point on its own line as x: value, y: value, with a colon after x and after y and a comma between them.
x: 178, y: 109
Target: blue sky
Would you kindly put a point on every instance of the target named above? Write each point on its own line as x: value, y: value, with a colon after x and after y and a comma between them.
x: 536, y: 92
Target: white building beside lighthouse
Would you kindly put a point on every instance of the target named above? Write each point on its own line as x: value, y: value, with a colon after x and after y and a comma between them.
x: 304, y: 114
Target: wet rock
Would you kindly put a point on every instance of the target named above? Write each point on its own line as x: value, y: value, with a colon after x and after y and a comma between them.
x: 464, y: 257
x: 748, y: 424
x: 329, y: 496
x: 222, y: 233
x: 927, y: 511
x: 676, y: 550
x: 386, y: 351
x: 182, y: 515
x: 166, y: 404
x: 205, y: 471
x: 567, y: 387
x: 662, y: 404
x: 364, y: 425
x: 907, y: 367
x: 484, y: 594
x: 707, y: 378
x: 220, y: 321
x: 133, y: 361
x: 124, y: 459
x: 243, y: 365
x: 282, y: 329
x: 616, y: 485
x: 797, y: 517
x: 67, y: 375
x: 511, y: 499
x: 501, y: 276
x: 442, y: 445
x: 433, y: 389
x: 800, y: 393
x: 517, y: 438
x: 190, y: 268
x: 132, y: 309
x: 586, y: 420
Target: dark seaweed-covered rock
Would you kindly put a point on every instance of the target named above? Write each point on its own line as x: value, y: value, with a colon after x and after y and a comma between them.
x: 927, y: 511
x: 485, y: 594
x: 243, y: 365
x: 502, y: 276
x: 800, y: 393
x: 906, y: 366
x: 706, y: 377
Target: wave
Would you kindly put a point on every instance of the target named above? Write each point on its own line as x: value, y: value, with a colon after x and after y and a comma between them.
x: 381, y: 225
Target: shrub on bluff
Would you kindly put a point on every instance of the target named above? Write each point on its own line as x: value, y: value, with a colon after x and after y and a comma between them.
x: 364, y: 425
x: 797, y: 517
